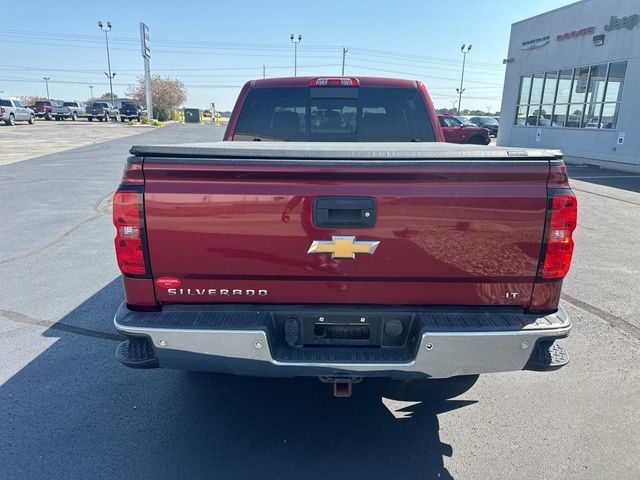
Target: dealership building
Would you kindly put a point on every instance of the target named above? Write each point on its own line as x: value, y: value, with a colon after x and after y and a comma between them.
x: 572, y: 83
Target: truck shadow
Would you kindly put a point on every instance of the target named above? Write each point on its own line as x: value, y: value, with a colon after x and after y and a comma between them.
x: 74, y: 412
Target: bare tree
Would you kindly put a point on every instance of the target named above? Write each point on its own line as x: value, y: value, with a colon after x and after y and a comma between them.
x: 168, y: 94
x: 30, y: 99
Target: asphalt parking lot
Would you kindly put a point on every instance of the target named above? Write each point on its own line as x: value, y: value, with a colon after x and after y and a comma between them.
x: 23, y: 141
x: 69, y: 410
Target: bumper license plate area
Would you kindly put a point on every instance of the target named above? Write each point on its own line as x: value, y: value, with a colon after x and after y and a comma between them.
x: 337, y: 330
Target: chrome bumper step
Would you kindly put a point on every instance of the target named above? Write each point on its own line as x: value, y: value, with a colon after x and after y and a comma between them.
x: 250, y: 340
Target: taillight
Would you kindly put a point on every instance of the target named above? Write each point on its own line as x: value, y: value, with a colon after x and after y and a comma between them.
x: 129, y: 223
x: 563, y: 215
x: 334, y: 82
x: 2, y: 110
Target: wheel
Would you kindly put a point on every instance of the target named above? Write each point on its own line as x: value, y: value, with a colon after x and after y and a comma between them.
x: 90, y: 119
x: 139, y: 119
x: 32, y: 119
x: 118, y: 118
x: 57, y: 119
x: 477, y: 140
x: 74, y: 116
x: 122, y: 119
x: 105, y: 118
x: 47, y: 116
x: 11, y: 121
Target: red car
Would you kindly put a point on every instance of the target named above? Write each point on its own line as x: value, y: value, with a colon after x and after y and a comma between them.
x: 457, y: 132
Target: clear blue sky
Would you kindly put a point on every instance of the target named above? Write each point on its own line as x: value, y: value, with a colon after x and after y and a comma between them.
x: 215, y: 46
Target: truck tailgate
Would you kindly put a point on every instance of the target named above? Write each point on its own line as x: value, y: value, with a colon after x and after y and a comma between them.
x: 455, y: 225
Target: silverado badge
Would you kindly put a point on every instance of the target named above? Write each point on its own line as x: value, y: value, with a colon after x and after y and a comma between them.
x: 343, y: 247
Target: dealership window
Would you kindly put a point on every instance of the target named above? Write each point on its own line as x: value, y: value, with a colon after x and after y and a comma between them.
x: 581, y: 97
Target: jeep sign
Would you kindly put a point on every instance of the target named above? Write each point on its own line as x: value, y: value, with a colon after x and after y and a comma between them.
x: 628, y: 22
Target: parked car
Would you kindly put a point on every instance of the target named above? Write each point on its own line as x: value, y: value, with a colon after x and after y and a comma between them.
x: 465, y: 120
x: 457, y: 132
x: 490, y: 123
x: 44, y: 108
x: 353, y: 260
x: 131, y: 111
x: 12, y: 111
x: 102, y: 111
x: 72, y: 110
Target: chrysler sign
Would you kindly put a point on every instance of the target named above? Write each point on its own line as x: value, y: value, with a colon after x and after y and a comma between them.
x: 535, y: 43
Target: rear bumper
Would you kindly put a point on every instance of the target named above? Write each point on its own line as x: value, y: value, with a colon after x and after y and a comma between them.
x: 442, y: 343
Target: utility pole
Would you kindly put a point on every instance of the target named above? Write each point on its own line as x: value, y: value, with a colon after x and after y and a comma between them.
x: 295, y: 52
x: 106, y: 29
x: 464, y: 50
x: 344, y: 54
x: 91, y: 87
x: 264, y: 71
x: 46, y: 81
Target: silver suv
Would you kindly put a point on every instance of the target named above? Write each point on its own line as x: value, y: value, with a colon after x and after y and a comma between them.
x: 12, y: 111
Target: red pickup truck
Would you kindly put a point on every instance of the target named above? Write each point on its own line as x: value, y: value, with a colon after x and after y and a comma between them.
x: 44, y: 109
x: 345, y: 240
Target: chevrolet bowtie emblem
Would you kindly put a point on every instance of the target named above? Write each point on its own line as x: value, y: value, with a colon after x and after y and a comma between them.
x: 343, y: 247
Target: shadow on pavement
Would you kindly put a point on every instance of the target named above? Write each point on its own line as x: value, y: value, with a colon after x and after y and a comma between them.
x: 608, y: 178
x: 74, y: 412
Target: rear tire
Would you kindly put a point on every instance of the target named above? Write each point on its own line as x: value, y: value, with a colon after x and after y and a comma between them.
x: 122, y: 119
x: 32, y: 119
x: 90, y: 119
x: 74, y: 116
x: 47, y: 117
x: 11, y: 121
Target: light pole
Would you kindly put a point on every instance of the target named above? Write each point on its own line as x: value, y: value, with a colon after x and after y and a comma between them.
x: 464, y: 50
x: 46, y: 81
x: 344, y: 54
x: 295, y: 52
x: 106, y: 29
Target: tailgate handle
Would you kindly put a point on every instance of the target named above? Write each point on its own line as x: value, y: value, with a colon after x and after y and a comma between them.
x: 359, y: 212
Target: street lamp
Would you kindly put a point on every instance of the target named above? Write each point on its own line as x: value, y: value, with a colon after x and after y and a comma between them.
x: 295, y: 52
x: 46, y: 80
x: 106, y: 29
x: 464, y: 50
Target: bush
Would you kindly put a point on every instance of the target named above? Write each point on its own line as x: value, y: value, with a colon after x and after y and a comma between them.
x: 162, y: 115
x: 156, y: 123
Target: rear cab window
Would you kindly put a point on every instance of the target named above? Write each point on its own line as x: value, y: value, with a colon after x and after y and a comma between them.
x: 5, y: 103
x: 335, y: 114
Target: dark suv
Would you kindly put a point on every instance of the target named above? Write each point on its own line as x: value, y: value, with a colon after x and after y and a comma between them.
x: 490, y: 123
